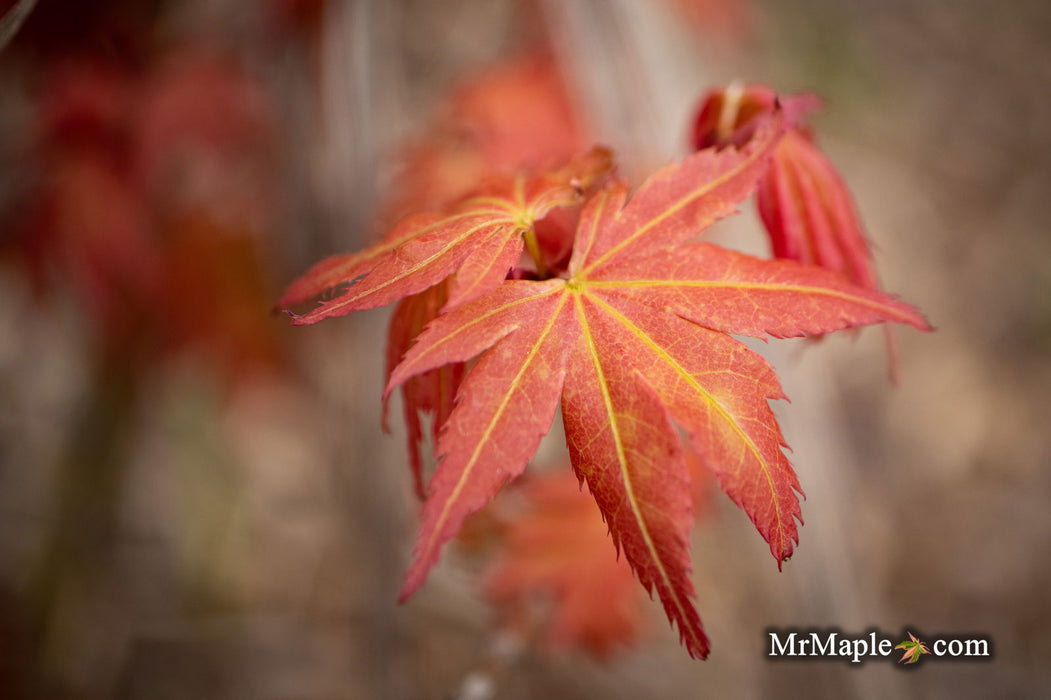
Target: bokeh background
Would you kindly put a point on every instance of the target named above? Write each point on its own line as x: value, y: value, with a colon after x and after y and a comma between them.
x: 197, y: 500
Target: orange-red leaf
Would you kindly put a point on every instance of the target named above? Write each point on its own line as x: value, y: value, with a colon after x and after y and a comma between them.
x: 634, y: 339
x: 810, y: 214
x: 479, y: 240
x: 717, y: 389
x: 430, y: 393
x: 622, y: 441
x: 558, y: 552
x: 675, y: 204
x: 326, y: 275
x: 516, y: 113
x: 804, y: 204
x: 505, y: 405
x: 742, y: 294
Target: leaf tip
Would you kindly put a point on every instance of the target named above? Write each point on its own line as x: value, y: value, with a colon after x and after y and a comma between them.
x: 698, y: 650
x: 413, y: 581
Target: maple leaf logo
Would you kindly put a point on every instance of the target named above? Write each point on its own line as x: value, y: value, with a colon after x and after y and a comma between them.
x: 913, y: 649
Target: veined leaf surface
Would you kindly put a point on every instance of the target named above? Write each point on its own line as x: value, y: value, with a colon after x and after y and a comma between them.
x: 635, y: 340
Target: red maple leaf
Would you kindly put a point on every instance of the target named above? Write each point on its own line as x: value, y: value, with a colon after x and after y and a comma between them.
x: 557, y: 552
x: 430, y: 393
x: 479, y: 240
x: 804, y: 203
x: 517, y: 113
x: 556, y: 571
x: 148, y: 207
x: 430, y: 260
x: 636, y: 335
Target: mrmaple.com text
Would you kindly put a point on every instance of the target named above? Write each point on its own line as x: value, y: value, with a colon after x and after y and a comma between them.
x: 855, y: 649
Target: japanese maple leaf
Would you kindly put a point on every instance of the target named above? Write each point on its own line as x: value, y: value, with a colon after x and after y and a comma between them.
x: 804, y: 203
x: 430, y: 393
x: 557, y: 552
x: 913, y: 650
x: 431, y: 260
x: 136, y: 209
x: 516, y: 113
x: 479, y: 240
x: 634, y: 337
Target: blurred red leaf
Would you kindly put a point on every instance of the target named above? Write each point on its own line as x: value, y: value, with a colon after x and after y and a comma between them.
x: 516, y: 114
x: 556, y: 570
x: 151, y: 205
x: 718, y: 19
x: 557, y: 554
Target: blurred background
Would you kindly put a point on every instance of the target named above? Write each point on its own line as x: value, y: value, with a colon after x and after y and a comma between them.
x: 197, y: 500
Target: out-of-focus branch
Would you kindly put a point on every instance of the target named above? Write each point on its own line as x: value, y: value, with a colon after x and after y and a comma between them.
x: 11, y: 22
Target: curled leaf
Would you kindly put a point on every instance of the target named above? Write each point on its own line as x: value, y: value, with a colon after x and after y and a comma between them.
x: 804, y: 204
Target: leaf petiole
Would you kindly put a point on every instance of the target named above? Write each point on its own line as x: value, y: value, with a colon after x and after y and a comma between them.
x: 533, y: 247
